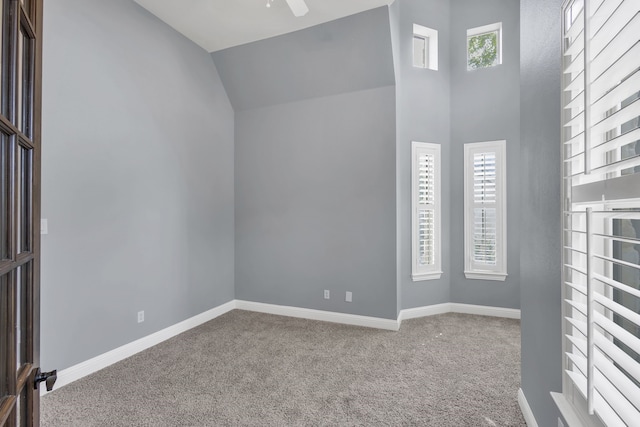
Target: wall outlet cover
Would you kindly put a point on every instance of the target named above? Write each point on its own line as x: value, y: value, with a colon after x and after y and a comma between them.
x: 327, y: 294
x: 140, y: 316
x: 348, y: 297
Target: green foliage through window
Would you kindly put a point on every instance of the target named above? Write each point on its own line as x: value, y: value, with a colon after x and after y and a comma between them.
x: 482, y: 50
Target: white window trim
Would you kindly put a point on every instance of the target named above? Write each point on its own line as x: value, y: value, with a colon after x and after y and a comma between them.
x: 472, y: 271
x: 432, y: 272
x: 431, y: 37
x: 471, y: 32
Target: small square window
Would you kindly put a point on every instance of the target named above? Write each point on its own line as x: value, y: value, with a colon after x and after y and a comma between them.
x: 484, y: 46
x: 425, y: 47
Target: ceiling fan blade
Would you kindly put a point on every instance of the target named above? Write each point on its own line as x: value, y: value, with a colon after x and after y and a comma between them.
x: 298, y: 7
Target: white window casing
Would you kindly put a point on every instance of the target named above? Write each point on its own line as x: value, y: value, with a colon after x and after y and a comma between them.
x: 425, y: 211
x: 485, y: 210
x: 425, y: 47
x: 601, y: 212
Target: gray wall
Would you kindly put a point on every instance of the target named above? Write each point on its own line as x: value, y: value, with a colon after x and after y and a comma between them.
x: 540, y: 210
x: 423, y: 104
x: 485, y: 106
x: 137, y: 179
x: 341, y: 56
x: 315, y: 168
x: 315, y: 209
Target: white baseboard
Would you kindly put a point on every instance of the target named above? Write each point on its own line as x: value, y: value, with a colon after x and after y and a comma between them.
x: 454, y: 307
x: 325, y: 316
x: 482, y: 310
x: 527, y: 413
x: 429, y: 310
x: 97, y: 363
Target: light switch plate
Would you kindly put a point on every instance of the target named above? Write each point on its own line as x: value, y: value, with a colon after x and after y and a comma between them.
x: 44, y: 226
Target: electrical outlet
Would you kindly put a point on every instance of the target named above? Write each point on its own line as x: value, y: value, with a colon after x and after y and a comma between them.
x: 44, y: 226
x: 140, y: 316
x: 326, y: 294
x: 348, y: 297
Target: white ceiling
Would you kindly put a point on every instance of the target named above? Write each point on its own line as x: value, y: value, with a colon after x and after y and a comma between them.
x: 219, y: 24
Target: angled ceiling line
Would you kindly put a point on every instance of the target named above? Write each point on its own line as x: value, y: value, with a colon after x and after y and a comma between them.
x: 220, y: 24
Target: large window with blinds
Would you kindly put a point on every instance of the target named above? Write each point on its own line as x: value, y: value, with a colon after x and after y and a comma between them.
x: 601, y: 212
x: 425, y: 216
x: 485, y: 220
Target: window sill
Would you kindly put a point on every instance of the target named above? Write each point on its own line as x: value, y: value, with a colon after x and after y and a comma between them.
x: 480, y: 275
x: 426, y: 276
x: 574, y: 417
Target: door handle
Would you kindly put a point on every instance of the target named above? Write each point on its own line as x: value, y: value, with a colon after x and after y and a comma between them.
x: 48, y: 377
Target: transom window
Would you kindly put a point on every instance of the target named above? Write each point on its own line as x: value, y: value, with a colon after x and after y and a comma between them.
x: 484, y: 46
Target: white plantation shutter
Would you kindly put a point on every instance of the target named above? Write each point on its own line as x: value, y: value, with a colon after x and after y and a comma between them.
x: 485, y: 210
x: 426, y: 211
x: 601, y: 256
x: 426, y: 208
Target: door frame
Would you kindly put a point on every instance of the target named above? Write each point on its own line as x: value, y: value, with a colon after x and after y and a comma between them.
x: 20, y: 121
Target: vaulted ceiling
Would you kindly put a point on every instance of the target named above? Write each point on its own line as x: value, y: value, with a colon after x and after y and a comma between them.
x: 219, y: 24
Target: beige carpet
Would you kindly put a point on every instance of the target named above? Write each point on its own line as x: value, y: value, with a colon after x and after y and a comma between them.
x: 251, y: 369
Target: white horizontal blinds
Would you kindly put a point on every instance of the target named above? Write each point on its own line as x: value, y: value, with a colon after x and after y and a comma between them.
x: 574, y: 84
x: 603, y: 314
x: 601, y: 256
x: 484, y: 211
x: 426, y: 262
x: 611, y: 106
x: 426, y: 208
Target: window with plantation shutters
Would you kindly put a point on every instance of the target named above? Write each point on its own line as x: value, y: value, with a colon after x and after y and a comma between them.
x: 485, y: 210
x: 425, y: 189
x: 601, y: 212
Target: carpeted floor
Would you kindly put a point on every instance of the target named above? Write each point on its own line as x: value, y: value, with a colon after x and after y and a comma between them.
x: 251, y: 369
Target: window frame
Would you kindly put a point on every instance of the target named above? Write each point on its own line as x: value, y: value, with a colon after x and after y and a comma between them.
x: 486, y: 29
x: 473, y: 270
x: 432, y: 271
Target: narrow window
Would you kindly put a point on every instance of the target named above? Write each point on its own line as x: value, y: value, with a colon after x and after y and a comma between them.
x: 425, y: 188
x: 484, y: 46
x: 485, y: 210
x: 425, y: 47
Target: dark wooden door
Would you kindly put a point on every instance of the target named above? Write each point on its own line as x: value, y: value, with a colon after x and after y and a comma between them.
x: 21, y: 43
